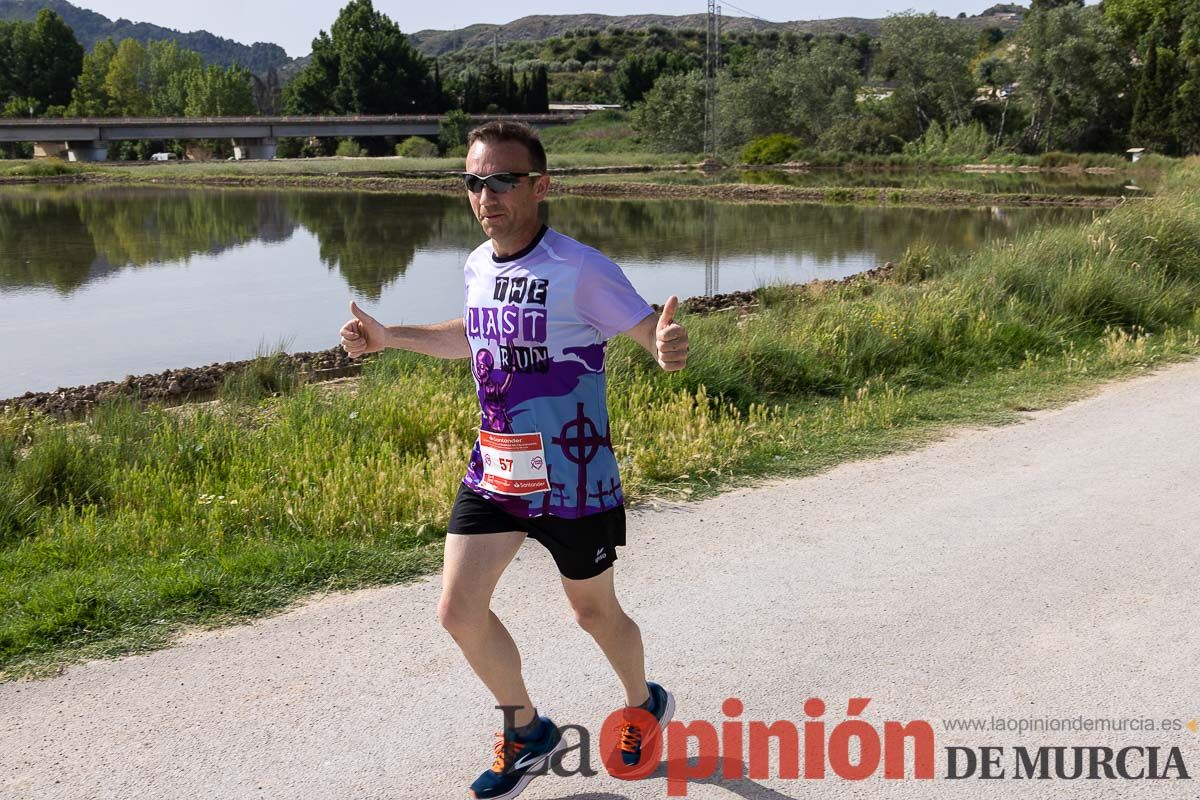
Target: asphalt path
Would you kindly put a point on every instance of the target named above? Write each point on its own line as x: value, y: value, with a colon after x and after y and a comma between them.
x: 1040, y: 571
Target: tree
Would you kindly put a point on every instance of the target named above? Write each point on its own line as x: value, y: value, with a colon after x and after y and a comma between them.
x: 1152, y: 125
x: 56, y: 59
x: 635, y: 76
x: 90, y: 98
x: 1069, y: 106
x: 217, y: 92
x: 170, y: 67
x: 39, y: 61
x: 453, y: 130
x: 801, y: 93
x: 931, y: 60
x: 1165, y: 37
x: 363, y: 66
x: 994, y: 73
x: 671, y: 117
x: 127, y: 82
x: 1047, y: 5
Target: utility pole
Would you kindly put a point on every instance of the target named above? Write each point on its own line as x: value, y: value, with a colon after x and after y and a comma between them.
x: 712, y: 63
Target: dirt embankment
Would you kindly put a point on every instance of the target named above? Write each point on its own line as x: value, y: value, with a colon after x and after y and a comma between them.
x: 194, y: 384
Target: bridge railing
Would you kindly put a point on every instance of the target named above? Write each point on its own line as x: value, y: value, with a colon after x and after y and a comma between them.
x: 365, y: 118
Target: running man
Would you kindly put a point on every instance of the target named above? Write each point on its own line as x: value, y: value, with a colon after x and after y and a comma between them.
x: 539, y: 308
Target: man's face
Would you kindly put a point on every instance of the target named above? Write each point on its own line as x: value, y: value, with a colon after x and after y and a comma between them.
x: 507, y: 215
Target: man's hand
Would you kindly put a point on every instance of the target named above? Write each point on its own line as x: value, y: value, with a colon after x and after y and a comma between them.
x: 670, y: 339
x: 362, y: 334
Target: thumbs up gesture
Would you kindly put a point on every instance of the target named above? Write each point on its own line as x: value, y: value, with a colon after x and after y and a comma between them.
x: 670, y: 338
x: 362, y: 334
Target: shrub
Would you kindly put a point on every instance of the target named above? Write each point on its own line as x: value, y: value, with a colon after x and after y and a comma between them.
x: 773, y: 149
x: 964, y: 141
x: 416, y: 147
x: 350, y: 148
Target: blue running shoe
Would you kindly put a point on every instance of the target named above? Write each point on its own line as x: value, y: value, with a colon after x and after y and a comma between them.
x: 632, y: 738
x: 518, y: 761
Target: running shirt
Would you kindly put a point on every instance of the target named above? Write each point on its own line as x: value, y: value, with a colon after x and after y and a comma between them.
x: 538, y: 324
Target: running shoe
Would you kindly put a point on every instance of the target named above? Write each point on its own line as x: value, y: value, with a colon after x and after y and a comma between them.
x: 632, y: 738
x: 517, y: 762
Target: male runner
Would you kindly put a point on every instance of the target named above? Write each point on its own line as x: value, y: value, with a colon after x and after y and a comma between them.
x: 539, y: 308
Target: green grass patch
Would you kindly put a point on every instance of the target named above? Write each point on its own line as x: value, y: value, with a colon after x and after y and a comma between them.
x: 118, y: 531
x: 598, y: 132
x: 42, y: 168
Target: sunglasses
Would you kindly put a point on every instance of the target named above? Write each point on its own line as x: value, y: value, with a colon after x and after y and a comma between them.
x: 498, y: 182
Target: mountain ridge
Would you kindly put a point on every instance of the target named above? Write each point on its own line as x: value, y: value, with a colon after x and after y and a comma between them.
x: 90, y: 27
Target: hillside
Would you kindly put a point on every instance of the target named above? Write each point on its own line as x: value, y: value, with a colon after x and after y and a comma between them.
x: 90, y: 27
x: 539, y: 27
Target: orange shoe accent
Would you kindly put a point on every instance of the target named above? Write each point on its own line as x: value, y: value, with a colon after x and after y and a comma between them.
x: 630, y: 737
x: 503, y: 755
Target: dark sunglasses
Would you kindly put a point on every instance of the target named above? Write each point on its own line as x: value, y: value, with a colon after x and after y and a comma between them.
x: 498, y: 182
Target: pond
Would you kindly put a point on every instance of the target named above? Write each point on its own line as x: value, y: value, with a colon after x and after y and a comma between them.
x: 97, y: 282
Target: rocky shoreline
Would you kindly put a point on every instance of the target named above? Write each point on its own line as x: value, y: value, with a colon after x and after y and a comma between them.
x: 194, y: 384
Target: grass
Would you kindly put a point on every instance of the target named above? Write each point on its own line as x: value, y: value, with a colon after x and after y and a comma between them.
x: 117, y: 532
x: 383, y: 165
x: 598, y: 132
x: 40, y: 169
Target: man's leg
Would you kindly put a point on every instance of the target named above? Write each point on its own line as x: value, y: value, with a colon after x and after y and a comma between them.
x: 594, y: 601
x: 472, y: 567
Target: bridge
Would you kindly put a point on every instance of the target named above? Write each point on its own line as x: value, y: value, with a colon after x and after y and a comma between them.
x: 87, y: 138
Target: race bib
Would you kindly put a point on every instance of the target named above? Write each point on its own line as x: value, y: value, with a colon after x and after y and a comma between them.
x: 513, y: 463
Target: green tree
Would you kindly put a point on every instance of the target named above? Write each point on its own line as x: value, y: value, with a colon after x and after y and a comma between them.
x: 127, y: 82
x: 56, y: 59
x: 39, y: 60
x: 217, y: 92
x: 1152, y: 125
x: 1165, y: 37
x: 1072, y: 74
x: 453, y: 130
x: 1047, y: 5
x: 931, y: 59
x: 635, y: 76
x: 363, y: 66
x: 90, y: 98
x: 171, y: 67
x: 671, y: 118
x: 994, y: 73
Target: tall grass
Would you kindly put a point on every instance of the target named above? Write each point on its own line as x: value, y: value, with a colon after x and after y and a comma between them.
x: 114, y: 530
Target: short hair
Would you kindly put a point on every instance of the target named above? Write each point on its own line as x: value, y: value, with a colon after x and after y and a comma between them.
x: 504, y: 130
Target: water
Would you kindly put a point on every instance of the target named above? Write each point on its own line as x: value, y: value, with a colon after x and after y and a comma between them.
x: 100, y: 282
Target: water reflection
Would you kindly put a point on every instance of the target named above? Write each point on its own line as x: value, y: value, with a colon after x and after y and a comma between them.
x: 64, y: 237
x: 146, y: 278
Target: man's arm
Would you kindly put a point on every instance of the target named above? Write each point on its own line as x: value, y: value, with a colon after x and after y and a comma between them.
x: 664, y: 339
x: 441, y: 339
x: 364, y: 334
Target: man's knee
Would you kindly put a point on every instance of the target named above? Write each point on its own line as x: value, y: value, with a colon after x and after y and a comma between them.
x: 460, y: 618
x: 597, y: 618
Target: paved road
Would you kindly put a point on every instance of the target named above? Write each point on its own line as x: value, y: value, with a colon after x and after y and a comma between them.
x: 1041, y: 570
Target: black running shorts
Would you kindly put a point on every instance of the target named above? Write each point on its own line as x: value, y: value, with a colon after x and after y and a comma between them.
x: 582, y: 548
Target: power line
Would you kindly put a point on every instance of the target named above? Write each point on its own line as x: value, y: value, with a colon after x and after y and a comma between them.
x: 748, y: 13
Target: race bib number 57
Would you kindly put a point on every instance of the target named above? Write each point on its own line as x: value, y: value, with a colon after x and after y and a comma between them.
x: 513, y: 463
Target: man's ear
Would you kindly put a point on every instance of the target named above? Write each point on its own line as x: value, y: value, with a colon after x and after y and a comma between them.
x: 542, y: 187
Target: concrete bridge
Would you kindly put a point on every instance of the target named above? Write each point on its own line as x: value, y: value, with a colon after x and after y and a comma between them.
x: 87, y: 138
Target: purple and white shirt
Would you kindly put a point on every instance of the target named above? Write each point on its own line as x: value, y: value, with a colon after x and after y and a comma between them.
x: 538, y: 324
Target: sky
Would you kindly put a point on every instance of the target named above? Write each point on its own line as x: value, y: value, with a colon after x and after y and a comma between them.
x: 292, y: 24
